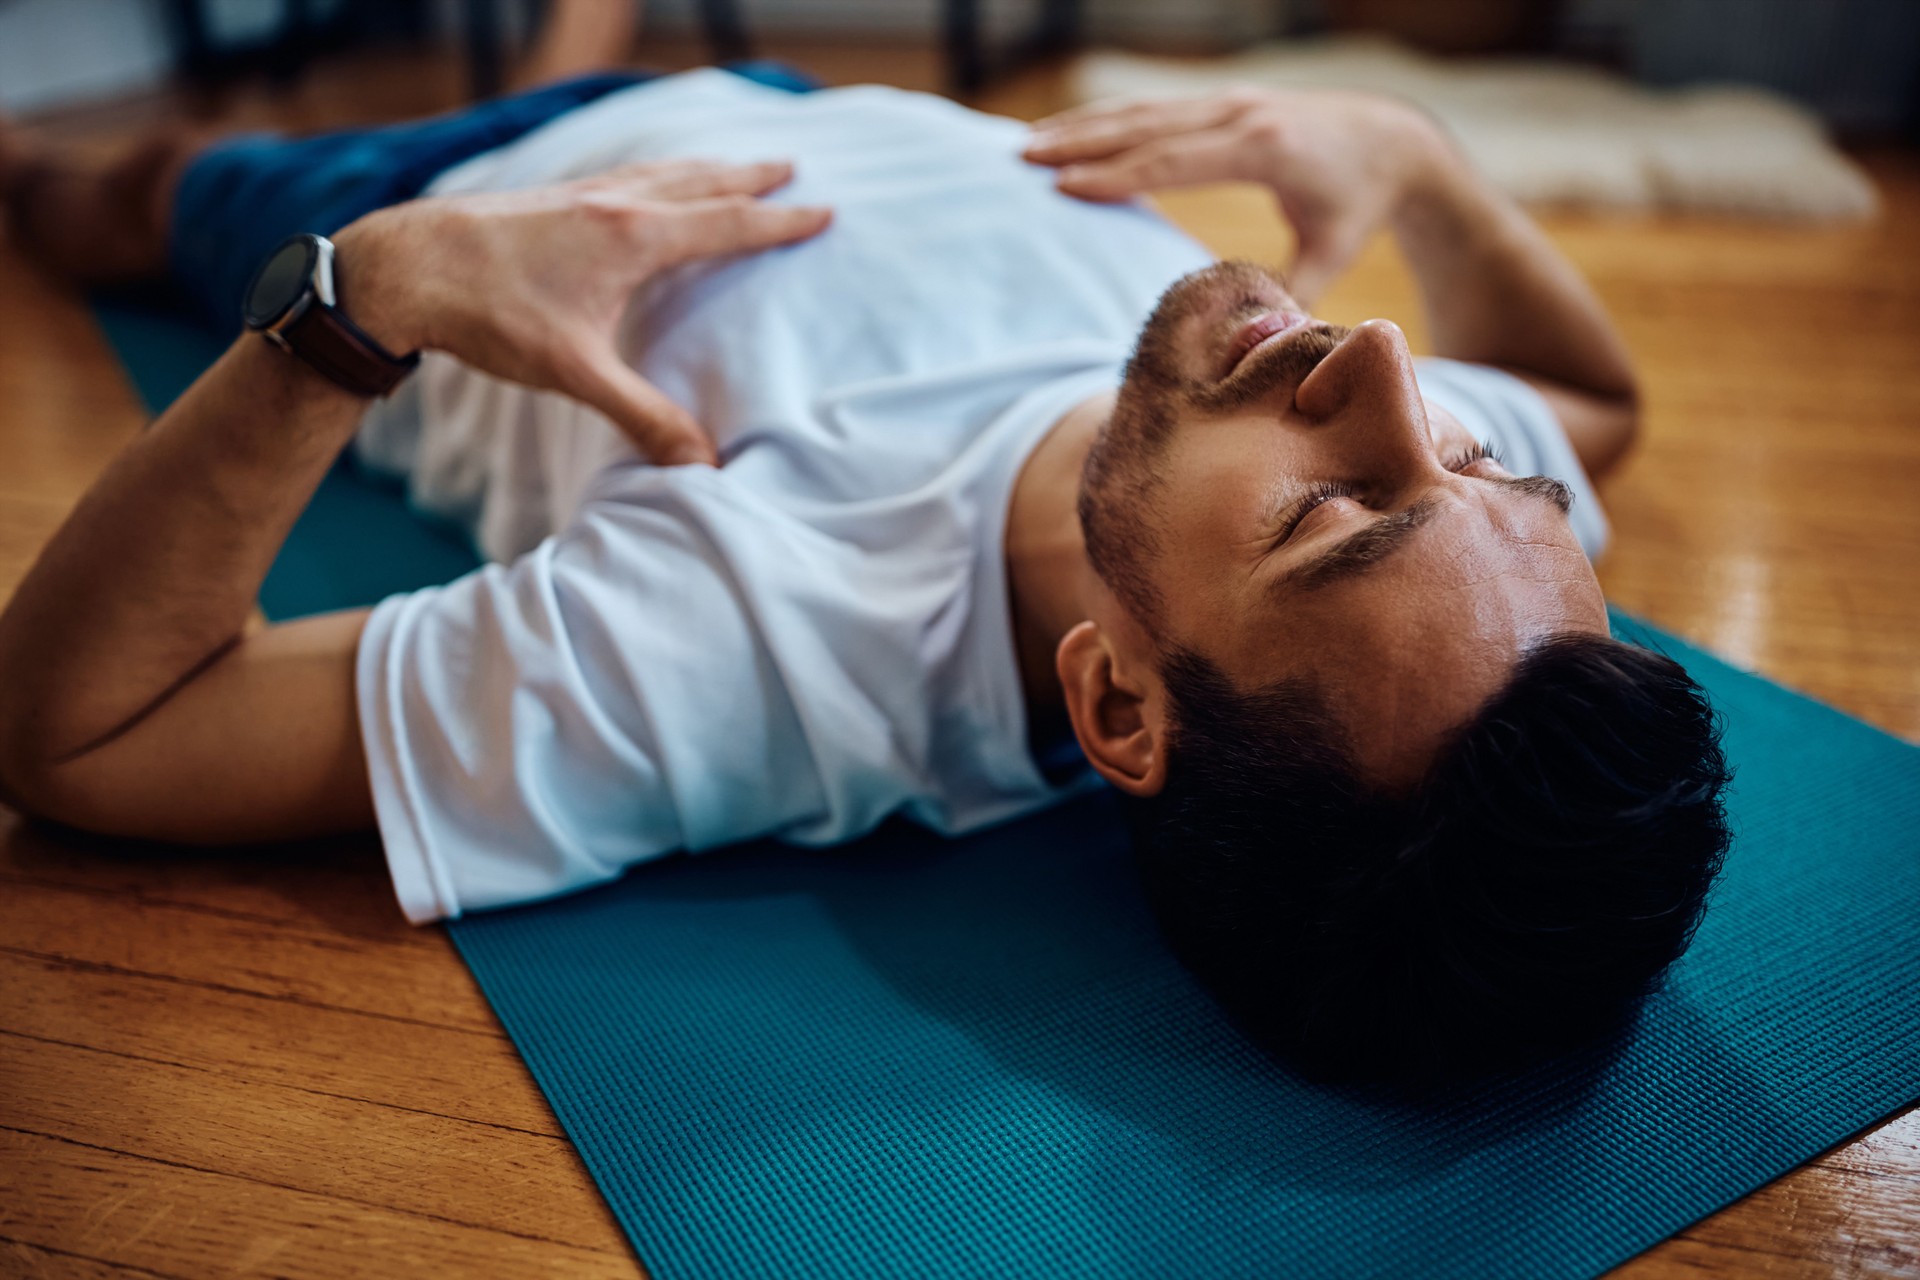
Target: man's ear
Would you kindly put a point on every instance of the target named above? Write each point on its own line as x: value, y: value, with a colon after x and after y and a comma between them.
x: 1118, y: 713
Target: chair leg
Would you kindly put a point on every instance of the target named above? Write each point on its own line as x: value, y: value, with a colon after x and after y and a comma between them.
x: 966, y: 56
x: 484, y: 74
x: 726, y: 30
x: 1058, y: 29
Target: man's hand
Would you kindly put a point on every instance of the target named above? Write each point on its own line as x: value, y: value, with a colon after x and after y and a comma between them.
x: 135, y: 701
x: 1341, y: 164
x: 530, y: 285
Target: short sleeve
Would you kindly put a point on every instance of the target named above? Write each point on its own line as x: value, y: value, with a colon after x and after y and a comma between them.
x: 1511, y: 416
x: 535, y: 728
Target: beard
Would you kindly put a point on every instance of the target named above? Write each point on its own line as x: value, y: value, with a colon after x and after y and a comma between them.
x: 1166, y: 385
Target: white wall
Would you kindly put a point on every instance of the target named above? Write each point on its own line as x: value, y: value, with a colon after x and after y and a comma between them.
x: 56, y: 51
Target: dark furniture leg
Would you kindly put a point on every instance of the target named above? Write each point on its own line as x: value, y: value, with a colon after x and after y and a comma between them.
x: 971, y: 65
x: 484, y: 74
x: 726, y: 30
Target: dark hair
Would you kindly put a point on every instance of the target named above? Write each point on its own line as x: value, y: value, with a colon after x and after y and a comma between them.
x: 1526, y: 895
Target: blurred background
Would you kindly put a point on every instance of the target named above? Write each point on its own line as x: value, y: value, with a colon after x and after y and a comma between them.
x: 1851, y: 61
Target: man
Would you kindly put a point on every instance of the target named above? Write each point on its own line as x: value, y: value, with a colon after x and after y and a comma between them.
x: 869, y: 522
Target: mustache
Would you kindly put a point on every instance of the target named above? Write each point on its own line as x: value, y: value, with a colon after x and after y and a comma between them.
x: 1262, y: 373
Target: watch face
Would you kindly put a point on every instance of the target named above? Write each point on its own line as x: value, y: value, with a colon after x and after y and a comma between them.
x: 280, y: 282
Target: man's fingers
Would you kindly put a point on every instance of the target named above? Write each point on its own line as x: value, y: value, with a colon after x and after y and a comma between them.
x: 1073, y: 115
x: 1213, y: 155
x: 727, y: 180
x: 688, y: 179
x: 644, y: 171
x: 1121, y: 130
x: 661, y: 430
x: 735, y: 224
x: 1108, y: 109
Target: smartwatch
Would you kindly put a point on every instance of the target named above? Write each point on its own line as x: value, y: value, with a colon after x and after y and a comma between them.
x: 291, y: 303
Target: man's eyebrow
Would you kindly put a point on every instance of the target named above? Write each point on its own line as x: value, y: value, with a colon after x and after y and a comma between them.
x: 1545, y: 488
x: 1364, y: 548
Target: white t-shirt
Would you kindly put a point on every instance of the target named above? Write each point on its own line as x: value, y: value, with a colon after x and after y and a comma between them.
x: 817, y: 634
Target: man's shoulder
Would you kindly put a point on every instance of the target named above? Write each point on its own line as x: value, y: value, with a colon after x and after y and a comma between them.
x: 1518, y: 425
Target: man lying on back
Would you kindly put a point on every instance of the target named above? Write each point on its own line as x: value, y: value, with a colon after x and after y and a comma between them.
x: 899, y: 509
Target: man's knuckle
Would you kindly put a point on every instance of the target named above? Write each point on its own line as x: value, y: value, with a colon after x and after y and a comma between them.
x: 604, y: 205
x: 1266, y: 127
x: 1159, y: 165
x: 562, y: 360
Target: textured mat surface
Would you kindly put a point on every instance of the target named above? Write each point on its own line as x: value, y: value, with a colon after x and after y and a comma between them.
x: 920, y: 1058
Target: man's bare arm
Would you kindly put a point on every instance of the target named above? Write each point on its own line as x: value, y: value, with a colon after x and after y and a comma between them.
x: 134, y: 701
x: 1498, y: 292
x: 1344, y: 165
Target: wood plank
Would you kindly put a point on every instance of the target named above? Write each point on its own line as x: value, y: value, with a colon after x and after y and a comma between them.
x: 332, y: 886
x: 105, y: 1204
x: 522, y: 1184
x: 58, y: 431
x: 20, y: 1259
x: 456, y: 1074
x: 1856, y: 1212
x: 301, y: 966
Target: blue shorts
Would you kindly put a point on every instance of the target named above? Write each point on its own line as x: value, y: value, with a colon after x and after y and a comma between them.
x: 240, y: 198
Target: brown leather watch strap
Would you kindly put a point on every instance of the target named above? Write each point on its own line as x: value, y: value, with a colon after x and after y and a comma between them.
x: 325, y: 338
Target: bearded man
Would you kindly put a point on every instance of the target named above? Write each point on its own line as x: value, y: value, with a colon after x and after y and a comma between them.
x: 921, y: 471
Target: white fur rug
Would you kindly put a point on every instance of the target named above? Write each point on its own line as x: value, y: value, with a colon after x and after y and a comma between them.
x: 1554, y: 133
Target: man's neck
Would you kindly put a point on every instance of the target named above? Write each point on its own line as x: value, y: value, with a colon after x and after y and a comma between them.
x: 1049, y: 579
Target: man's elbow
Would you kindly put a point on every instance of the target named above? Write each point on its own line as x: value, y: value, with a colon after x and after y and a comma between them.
x: 18, y: 768
x: 1615, y: 431
x: 38, y: 788
x: 37, y: 784
x: 1601, y: 423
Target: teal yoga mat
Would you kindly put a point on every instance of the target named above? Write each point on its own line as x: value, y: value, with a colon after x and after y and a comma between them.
x: 920, y: 1058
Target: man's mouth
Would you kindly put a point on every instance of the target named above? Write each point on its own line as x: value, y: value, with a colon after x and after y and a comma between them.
x: 1264, y: 329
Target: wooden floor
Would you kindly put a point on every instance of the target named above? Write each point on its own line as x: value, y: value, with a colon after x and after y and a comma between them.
x: 249, y: 1064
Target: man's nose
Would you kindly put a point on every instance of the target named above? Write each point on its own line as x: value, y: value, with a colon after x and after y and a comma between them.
x: 1365, y: 390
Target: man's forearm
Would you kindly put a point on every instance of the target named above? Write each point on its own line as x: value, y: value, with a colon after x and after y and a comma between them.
x: 130, y: 699
x: 155, y: 572
x: 1496, y: 289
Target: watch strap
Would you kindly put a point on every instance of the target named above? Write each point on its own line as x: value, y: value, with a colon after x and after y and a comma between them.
x: 345, y: 353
